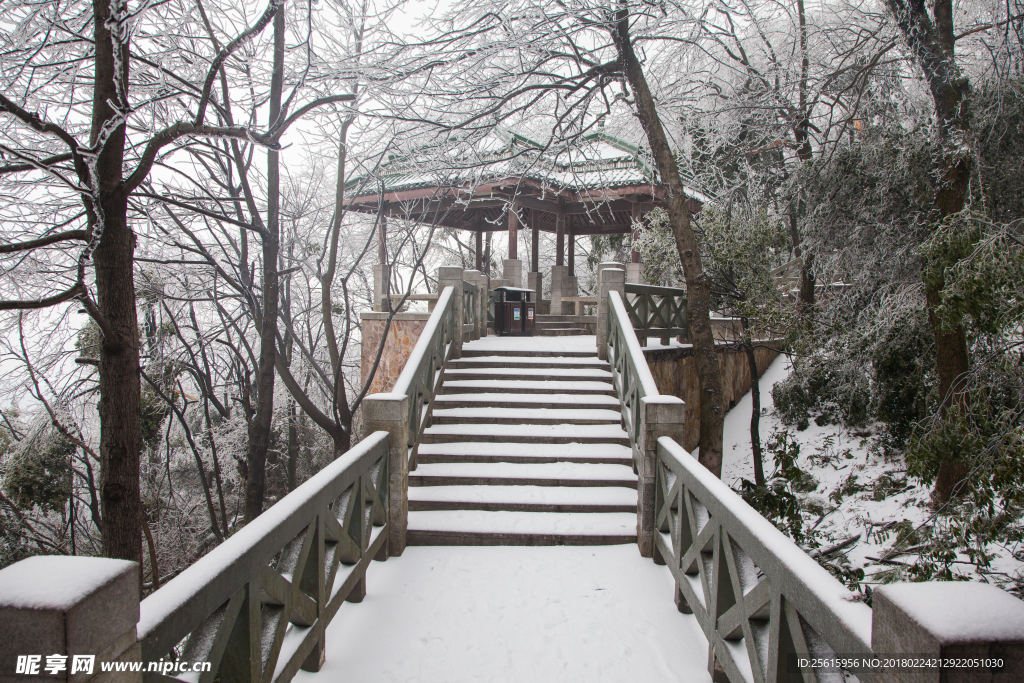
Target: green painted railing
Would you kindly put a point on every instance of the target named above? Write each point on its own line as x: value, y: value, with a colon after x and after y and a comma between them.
x: 257, y: 606
x: 657, y: 312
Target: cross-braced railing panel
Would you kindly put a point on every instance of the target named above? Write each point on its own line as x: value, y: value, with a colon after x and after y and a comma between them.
x: 630, y: 375
x: 421, y: 376
x: 258, y: 605
x: 760, y: 600
x: 657, y: 311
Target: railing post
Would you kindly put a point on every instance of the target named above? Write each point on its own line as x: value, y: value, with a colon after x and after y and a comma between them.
x: 608, y: 278
x: 948, y: 620
x: 60, y: 617
x: 659, y: 416
x: 390, y: 413
x: 483, y: 284
x: 381, y: 287
x: 475, y: 277
x: 451, y: 276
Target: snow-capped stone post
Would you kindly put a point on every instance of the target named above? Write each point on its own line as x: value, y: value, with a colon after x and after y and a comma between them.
x: 610, y: 276
x: 476, y: 278
x: 390, y: 413
x: 974, y: 625
x: 61, y: 617
x: 659, y: 416
x: 484, y: 284
x: 452, y: 276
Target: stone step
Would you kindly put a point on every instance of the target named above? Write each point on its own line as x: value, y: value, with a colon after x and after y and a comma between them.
x: 496, y: 361
x: 526, y: 353
x: 523, y: 498
x: 561, y: 332
x: 480, y: 452
x: 609, y: 432
x: 526, y: 416
x: 576, y: 319
x: 526, y: 400
x: 526, y: 387
x: 516, y: 474
x: 557, y: 373
x: 466, y: 527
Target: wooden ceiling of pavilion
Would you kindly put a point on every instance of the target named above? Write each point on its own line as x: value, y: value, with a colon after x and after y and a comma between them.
x: 599, y: 185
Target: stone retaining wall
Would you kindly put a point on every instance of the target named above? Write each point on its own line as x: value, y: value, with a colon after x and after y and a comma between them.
x: 405, y: 330
x: 675, y: 375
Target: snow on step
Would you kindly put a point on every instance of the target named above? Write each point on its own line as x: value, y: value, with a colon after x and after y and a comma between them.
x: 505, y: 522
x: 565, y: 415
x: 570, y: 361
x: 526, y: 432
x: 528, y: 385
x: 596, y: 451
x: 548, y: 495
x: 582, y: 400
x: 566, y: 471
x: 577, y: 344
x: 568, y: 373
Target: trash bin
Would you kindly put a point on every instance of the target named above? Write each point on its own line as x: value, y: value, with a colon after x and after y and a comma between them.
x: 513, y: 311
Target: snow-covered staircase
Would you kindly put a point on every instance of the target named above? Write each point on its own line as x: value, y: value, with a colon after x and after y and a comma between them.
x: 525, y: 448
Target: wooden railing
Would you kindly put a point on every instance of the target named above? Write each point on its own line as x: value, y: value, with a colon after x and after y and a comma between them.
x: 657, y: 312
x: 257, y: 606
x: 422, y: 373
x: 760, y: 599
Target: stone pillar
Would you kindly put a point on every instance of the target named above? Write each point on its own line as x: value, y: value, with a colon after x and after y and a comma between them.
x: 512, y: 270
x: 452, y: 276
x: 659, y: 416
x: 484, y: 288
x: 635, y: 273
x: 381, y: 287
x: 559, y: 288
x: 608, y: 279
x: 954, y: 619
x: 390, y: 413
x: 536, y: 283
x: 69, y: 607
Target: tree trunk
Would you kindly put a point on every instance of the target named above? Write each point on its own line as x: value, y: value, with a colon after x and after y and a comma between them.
x: 260, y: 426
x: 755, y: 404
x: 932, y: 46
x: 120, y: 391
x: 698, y: 290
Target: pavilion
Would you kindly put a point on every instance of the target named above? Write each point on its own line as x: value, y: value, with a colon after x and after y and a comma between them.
x: 598, y: 185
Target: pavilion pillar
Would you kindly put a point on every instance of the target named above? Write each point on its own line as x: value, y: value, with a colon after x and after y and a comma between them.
x: 479, y: 250
x: 513, y: 267
x: 559, y: 272
x: 635, y: 269
x: 571, y: 281
x: 382, y: 271
x: 534, y: 280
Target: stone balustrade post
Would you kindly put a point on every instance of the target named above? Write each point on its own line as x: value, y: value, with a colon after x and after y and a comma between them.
x: 483, y: 284
x: 390, y: 413
x: 608, y: 279
x: 948, y: 619
x: 512, y: 270
x: 62, y: 617
x: 381, y: 287
x: 475, y: 277
x: 659, y: 416
x: 452, y: 276
x: 559, y: 288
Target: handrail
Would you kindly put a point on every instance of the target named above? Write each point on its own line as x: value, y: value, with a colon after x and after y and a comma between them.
x: 630, y: 374
x: 278, y: 581
x: 421, y: 376
x: 754, y: 592
x: 657, y: 311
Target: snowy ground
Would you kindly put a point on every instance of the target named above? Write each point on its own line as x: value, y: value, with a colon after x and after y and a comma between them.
x: 853, y: 495
x: 565, y: 614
